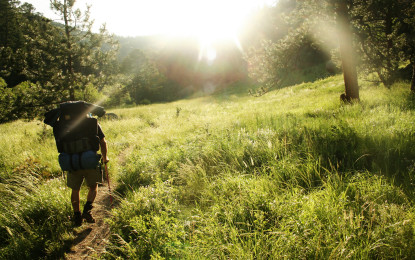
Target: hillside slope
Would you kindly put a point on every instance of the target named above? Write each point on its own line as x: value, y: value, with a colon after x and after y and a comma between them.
x: 293, y: 173
x: 290, y: 174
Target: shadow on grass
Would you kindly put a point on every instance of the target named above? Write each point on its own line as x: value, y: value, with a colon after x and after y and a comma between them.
x: 410, y: 101
x: 391, y: 156
x: 79, y: 237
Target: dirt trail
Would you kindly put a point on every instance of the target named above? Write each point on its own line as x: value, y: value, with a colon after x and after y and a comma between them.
x: 91, y: 239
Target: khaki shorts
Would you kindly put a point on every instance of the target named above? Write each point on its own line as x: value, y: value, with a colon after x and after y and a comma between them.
x: 92, y: 177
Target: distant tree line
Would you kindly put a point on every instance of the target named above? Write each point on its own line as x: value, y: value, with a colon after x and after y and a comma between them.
x: 44, y: 62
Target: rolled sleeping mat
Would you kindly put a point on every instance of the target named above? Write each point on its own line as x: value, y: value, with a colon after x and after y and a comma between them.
x: 78, y: 161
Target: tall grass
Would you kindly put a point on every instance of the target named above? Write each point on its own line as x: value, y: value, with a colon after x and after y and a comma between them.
x: 35, y: 208
x: 33, y: 215
x: 27, y: 141
x: 291, y: 174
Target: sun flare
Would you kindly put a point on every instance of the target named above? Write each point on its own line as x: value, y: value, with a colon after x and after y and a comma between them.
x: 210, y: 21
x: 213, y: 21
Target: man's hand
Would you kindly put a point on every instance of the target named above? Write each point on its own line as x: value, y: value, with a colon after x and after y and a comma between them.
x: 104, y: 150
x: 105, y: 159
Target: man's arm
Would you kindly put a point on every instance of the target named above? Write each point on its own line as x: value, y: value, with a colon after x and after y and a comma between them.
x: 103, y: 145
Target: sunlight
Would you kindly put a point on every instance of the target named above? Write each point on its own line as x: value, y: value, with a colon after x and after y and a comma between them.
x: 210, y: 54
x: 210, y: 21
x: 207, y: 19
x: 217, y: 21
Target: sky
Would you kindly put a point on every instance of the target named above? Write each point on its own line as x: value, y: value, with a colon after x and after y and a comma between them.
x: 207, y: 19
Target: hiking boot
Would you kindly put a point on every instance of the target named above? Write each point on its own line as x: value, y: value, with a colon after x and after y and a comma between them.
x: 86, y: 214
x: 88, y: 217
x: 77, y: 219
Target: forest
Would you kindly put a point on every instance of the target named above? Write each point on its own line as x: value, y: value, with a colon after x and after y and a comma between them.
x: 44, y: 62
x: 294, y: 141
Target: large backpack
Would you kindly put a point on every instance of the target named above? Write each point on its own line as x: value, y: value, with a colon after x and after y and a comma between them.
x: 76, y: 134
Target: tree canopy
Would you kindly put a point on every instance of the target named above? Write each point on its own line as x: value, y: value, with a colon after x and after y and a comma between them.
x: 43, y: 62
x: 375, y: 35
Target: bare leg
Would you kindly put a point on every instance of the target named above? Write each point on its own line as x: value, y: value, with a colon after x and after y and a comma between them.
x: 92, y: 193
x: 86, y: 214
x: 75, y: 200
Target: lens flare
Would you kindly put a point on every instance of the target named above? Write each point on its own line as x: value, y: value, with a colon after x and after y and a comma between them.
x: 211, y: 54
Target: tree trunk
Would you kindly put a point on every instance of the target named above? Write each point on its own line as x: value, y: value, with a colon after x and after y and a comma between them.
x: 382, y: 78
x: 69, y: 68
x: 413, y: 78
x: 347, y: 54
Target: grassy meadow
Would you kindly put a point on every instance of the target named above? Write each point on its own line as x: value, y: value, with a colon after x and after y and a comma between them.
x: 291, y: 174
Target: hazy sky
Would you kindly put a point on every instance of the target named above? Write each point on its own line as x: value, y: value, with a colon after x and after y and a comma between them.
x: 210, y: 19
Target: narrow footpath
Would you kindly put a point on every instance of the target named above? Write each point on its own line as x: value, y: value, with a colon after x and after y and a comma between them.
x: 91, y: 239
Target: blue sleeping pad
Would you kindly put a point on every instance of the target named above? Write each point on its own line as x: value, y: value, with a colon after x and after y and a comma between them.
x: 78, y: 161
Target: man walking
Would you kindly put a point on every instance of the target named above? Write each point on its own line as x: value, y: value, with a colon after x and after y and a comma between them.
x: 78, y: 137
x: 92, y: 178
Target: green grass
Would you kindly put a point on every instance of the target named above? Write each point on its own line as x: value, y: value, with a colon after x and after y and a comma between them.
x: 34, y: 216
x: 291, y: 174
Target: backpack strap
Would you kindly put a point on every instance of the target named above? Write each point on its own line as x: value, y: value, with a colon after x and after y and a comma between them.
x: 80, y: 161
x: 72, y: 163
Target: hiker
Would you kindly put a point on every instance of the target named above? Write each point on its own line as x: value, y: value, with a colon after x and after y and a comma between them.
x: 78, y: 137
x: 92, y: 178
